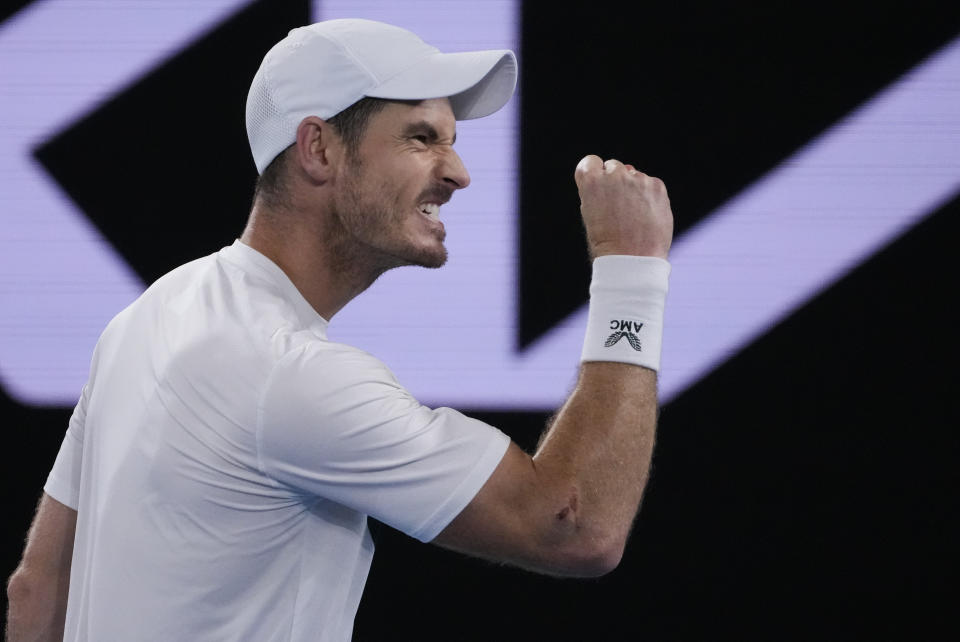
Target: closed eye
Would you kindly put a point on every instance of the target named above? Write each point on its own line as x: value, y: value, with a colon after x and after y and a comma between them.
x: 425, y: 133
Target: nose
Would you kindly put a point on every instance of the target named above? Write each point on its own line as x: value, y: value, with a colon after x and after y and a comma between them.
x: 454, y: 172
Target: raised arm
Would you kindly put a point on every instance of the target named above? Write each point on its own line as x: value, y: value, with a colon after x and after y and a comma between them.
x: 568, y: 509
x: 37, y: 590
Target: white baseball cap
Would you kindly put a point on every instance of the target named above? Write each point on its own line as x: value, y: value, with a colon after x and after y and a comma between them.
x: 323, y: 68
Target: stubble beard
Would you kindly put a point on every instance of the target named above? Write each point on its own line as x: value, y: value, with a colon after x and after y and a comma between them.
x: 373, y: 225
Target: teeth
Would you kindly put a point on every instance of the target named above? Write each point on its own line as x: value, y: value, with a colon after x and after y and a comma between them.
x: 432, y: 210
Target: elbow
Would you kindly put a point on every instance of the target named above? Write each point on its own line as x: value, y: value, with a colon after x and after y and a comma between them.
x: 607, y: 559
x: 28, y: 587
x: 36, y: 605
x: 586, y: 548
x: 588, y: 556
x: 19, y: 589
x: 595, y: 560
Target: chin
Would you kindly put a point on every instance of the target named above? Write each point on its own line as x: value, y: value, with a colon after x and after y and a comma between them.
x: 432, y: 259
x: 428, y: 257
x: 438, y: 263
x: 427, y: 252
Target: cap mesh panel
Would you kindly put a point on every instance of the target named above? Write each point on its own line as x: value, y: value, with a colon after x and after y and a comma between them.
x: 266, y: 123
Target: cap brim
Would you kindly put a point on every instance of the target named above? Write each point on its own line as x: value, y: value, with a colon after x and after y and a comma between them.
x: 478, y: 83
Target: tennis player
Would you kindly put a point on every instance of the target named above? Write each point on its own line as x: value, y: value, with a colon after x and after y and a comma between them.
x: 217, y: 473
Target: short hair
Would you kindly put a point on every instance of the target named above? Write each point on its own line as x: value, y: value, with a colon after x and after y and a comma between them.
x: 350, y: 124
x: 271, y: 185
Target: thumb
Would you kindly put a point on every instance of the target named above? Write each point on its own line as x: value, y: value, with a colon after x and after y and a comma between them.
x: 588, y: 164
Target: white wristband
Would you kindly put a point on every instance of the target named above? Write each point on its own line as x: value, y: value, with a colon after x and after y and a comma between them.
x: 625, y: 322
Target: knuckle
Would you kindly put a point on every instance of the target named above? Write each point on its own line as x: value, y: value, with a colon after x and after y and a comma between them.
x: 588, y: 169
x: 587, y: 178
x: 589, y: 160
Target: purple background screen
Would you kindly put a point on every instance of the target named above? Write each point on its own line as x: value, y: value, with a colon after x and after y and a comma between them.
x: 807, y: 444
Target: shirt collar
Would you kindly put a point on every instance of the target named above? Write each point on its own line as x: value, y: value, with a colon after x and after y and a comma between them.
x: 252, y: 261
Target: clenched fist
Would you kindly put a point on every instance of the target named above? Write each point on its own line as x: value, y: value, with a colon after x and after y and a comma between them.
x: 624, y: 211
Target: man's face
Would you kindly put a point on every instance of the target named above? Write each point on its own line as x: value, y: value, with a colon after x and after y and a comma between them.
x: 388, y: 196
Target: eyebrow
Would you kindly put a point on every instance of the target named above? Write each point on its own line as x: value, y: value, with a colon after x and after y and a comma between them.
x: 423, y: 127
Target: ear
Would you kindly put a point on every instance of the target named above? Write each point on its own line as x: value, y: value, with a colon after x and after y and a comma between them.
x: 318, y: 148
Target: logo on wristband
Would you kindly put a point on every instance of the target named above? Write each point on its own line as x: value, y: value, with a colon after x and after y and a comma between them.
x: 624, y: 329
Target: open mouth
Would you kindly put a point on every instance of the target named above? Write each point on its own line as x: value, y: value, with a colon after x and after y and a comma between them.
x: 430, y: 210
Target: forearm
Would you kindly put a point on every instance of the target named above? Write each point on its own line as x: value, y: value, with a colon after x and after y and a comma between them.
x: 600, y: 446
x: 569, y: 509
x: 602, y: 440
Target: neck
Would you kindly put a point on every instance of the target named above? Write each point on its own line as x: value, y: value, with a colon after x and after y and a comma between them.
x: 316, y: 254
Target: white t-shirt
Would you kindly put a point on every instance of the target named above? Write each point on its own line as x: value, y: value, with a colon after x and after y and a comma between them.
x: 224, y: 456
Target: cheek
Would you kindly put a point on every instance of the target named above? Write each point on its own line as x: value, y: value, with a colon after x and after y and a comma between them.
x: 388, y: 189
x: 400, y: 191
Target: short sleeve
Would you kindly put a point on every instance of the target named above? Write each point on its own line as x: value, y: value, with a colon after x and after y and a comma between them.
x: 63, y: 482
x: 334, y: 422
